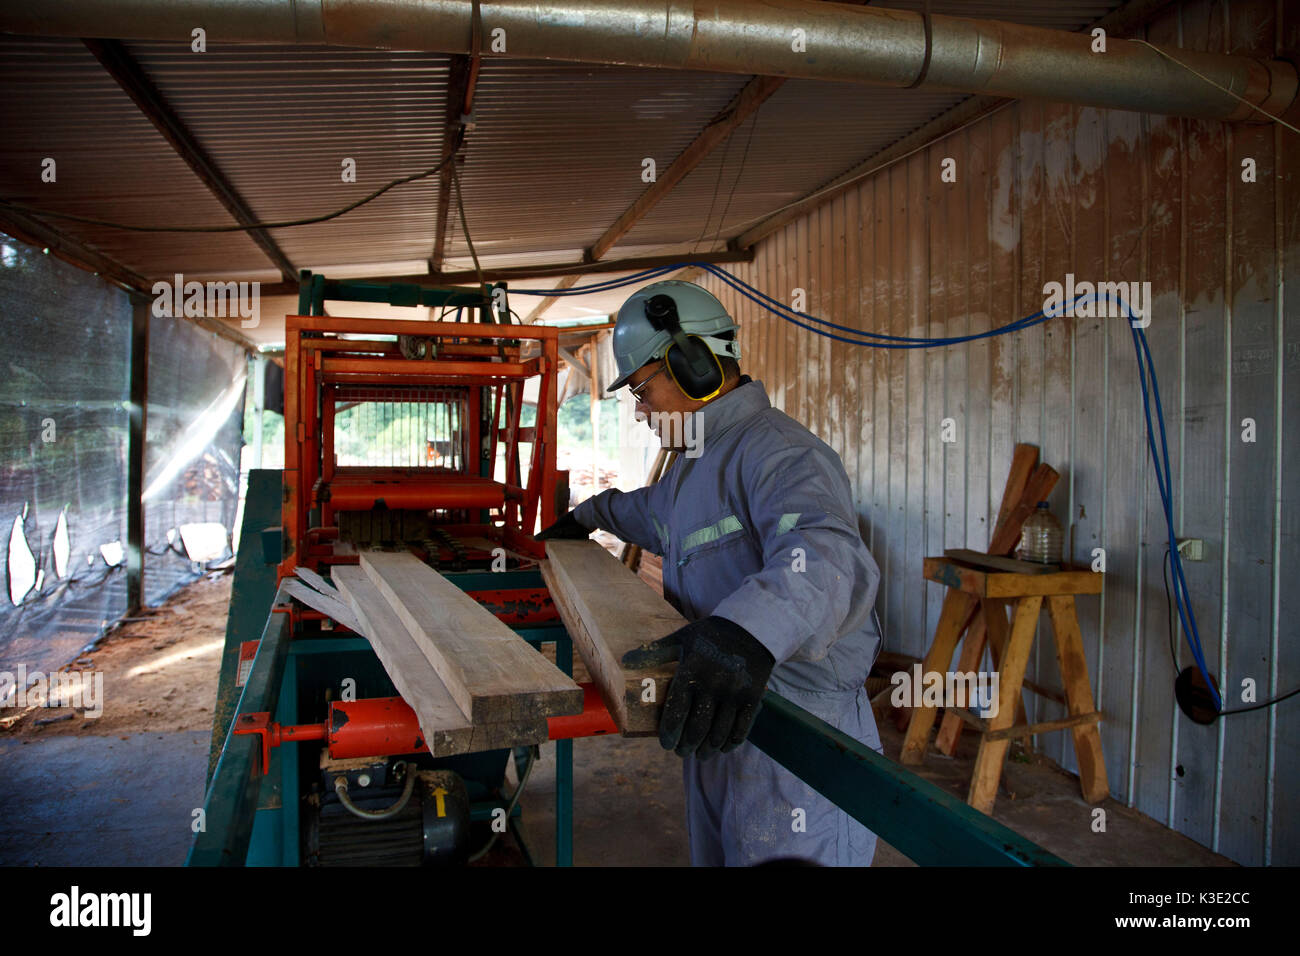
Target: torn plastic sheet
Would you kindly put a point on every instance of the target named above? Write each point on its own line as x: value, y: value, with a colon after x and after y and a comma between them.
x: 63, y: 439
x: 194, y: 421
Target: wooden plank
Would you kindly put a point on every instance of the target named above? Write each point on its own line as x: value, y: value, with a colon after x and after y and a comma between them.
x: 446, y: 729
x: 332, y: 607
x: 1023, y: 462
x: 1062, y: 582
x: 1039, y: 486
x: 956, y: 606
x: 942, y: 571
x: 992, y: 753
x: 318, y: 582
x: 1082, y: 721
x: 972, y: 652
x: 997, y: 585
x: 609, y: 611
x: 491, y: 672
x: 997, y: 631
x: 1078, y: 689
x: 993, y: 563
x: 960, y: 716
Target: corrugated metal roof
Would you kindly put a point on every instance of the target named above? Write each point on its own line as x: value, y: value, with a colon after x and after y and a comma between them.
x: 809, y: 132
x: 280, y: 120
x: 556, y: 155
x: 110, y: 163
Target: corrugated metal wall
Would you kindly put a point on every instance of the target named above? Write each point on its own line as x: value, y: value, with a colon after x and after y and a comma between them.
x: 1045, y: 190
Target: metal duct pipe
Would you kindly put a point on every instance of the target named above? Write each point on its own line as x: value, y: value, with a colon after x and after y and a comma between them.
x: 844, y: 43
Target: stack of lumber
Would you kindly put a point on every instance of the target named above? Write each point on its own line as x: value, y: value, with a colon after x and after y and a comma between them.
x: 473, y: 683
x: 609, y: 611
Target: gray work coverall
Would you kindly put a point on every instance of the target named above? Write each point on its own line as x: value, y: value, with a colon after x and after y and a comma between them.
x: 761, y: 529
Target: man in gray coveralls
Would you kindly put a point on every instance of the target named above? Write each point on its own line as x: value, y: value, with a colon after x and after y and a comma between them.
x: 762, y: 555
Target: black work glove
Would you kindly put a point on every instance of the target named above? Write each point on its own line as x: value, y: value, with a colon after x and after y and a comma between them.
x: 567, y: 528
x: 717, y: 690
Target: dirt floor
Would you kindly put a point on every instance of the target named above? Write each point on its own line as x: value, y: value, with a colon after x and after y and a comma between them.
x: 160, y: 671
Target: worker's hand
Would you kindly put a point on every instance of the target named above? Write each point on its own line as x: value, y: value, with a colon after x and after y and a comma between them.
x: 717, y: 690
x: 567, y: 528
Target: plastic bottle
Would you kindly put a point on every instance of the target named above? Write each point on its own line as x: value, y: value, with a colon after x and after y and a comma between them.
x: 1040, y: 537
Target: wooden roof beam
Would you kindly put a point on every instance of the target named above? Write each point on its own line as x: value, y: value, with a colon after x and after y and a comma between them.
x: 754, y: 94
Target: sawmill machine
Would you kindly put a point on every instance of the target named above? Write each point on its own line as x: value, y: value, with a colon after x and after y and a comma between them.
x: 411, y: 436
x: 399, y: 435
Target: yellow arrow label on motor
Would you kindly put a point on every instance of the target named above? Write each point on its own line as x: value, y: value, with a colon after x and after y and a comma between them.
x: 442, y: 807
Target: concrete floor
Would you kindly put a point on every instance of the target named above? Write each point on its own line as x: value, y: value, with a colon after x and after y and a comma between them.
x: 100, y: 801
x: 94, y: 800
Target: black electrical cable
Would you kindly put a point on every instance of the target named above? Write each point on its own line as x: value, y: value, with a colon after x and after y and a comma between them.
x: 286, y: 224
x: 464, y: 224
x: 1262, y: 704
x: 717, y: 188
x: 736, y: 182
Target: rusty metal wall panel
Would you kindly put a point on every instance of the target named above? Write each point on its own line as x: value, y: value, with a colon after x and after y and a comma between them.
x: 111, y: 164
x: 1251, y: 291
x: 1042, y: 191
x: 1285, y: 758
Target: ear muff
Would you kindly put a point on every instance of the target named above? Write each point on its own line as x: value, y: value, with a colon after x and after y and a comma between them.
x: 701, y: 388
x: 691, y: 363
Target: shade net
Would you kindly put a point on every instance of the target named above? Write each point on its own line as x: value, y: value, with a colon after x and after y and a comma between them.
x: 194, y: 428
x: 64, y: 429
x: 63, y: 452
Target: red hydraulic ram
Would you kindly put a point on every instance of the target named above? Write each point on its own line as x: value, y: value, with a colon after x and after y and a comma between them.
x: 381, y: 726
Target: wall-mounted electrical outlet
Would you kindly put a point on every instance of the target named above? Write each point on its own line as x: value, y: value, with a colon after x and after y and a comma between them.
x: 1192, y: 549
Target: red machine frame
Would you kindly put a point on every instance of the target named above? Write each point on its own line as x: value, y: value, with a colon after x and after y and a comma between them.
x: 320, y: 365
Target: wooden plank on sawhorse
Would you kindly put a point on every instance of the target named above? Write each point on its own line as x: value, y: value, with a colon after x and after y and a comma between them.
x: 1028, y: 482
x: 1026, y: 594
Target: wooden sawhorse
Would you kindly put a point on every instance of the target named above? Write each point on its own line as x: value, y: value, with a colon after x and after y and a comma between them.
x: 983, y: 596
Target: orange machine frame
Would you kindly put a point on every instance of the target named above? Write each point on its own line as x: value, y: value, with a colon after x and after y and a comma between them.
x: 319, y: 363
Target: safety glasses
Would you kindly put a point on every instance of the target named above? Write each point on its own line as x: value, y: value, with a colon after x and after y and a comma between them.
x: 637, y: 389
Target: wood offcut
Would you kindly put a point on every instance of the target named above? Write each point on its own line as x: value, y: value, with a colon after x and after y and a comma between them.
x: 609, y: 611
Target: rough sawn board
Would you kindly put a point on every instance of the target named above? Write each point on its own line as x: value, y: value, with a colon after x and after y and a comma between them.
x: 446, y: 729
x: 492, y: 673
x: 609, y: 611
